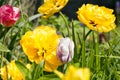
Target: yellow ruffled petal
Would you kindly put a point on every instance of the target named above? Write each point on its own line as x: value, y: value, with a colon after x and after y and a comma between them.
x: 52, y: 62
x: 51, y: 7
x: 97, y: 18
x: 40, y: 44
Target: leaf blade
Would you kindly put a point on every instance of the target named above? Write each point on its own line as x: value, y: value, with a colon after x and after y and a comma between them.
x: 3, y: 48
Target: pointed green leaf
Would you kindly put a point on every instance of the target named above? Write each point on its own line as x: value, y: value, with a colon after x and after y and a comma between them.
x: 34, y: 17
x: 13, y: 40
x: 23, y: 69
x: 3, y: 48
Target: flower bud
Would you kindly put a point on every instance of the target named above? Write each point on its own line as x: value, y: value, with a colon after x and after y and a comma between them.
x: 65, y: 50
x: 9, y: 15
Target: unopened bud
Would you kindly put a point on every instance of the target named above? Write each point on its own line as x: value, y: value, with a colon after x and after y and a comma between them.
x: 65, y: 50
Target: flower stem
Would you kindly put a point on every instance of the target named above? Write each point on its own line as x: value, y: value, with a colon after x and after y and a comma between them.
x: 83, y: 48
x: 97, y: 53
x: 88, y: 33
x: 66, y: 23
x: 74, y: 39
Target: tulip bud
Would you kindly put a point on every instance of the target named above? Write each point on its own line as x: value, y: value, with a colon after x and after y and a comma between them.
x: 65, y: 50
x: 9, y: 15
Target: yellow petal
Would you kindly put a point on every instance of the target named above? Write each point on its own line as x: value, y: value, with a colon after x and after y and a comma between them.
x: 77, y: 74
x: 97, y: 18
x: 52, y: 62
x: 51, y: 7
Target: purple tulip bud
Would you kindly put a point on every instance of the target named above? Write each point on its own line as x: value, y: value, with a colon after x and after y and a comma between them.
x: 65, y: 50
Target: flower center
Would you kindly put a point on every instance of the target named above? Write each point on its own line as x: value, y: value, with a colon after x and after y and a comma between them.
x: 43, y: 51
x: 93, y: 23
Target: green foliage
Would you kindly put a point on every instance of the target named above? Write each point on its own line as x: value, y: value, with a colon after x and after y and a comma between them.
x: 34, y: 73
x: 23, y: 70
x: 3, y: 48
x: 37, y: 69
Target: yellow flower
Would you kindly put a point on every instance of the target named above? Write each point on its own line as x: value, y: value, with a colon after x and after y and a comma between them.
x: 51, y: 7
x: 12, y: 71
x: 75, y: 74
x: 40, y: 44
x: 97, y: 18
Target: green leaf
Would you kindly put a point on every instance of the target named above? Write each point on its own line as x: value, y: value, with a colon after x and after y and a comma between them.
x: 13, y: 40
x: 34, y: 17
x: 38, y: 70
x: 23, y: 69
x: 3, y: 48
x: 49, y: 77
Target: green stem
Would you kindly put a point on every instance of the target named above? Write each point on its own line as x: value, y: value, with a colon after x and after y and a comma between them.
x: 83, y: 48
x: 93, y: 36
x: 97, y: 53
x: 88, y: 33
x: 66, y: 23
x: 80, y: 49
x: 79, y: 39
x: 74, y: 39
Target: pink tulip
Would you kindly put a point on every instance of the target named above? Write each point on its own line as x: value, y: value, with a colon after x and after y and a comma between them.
x: 9, y: 15
x: 65, y: 50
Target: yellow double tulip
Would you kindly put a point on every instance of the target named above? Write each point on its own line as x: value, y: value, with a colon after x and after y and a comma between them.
x: 97, y: 18
x: 51, y: 7
x: 40, y: 44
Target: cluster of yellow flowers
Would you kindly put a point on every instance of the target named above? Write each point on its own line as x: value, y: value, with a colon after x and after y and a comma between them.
x: 95, y: 17
x: 41, y: 43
